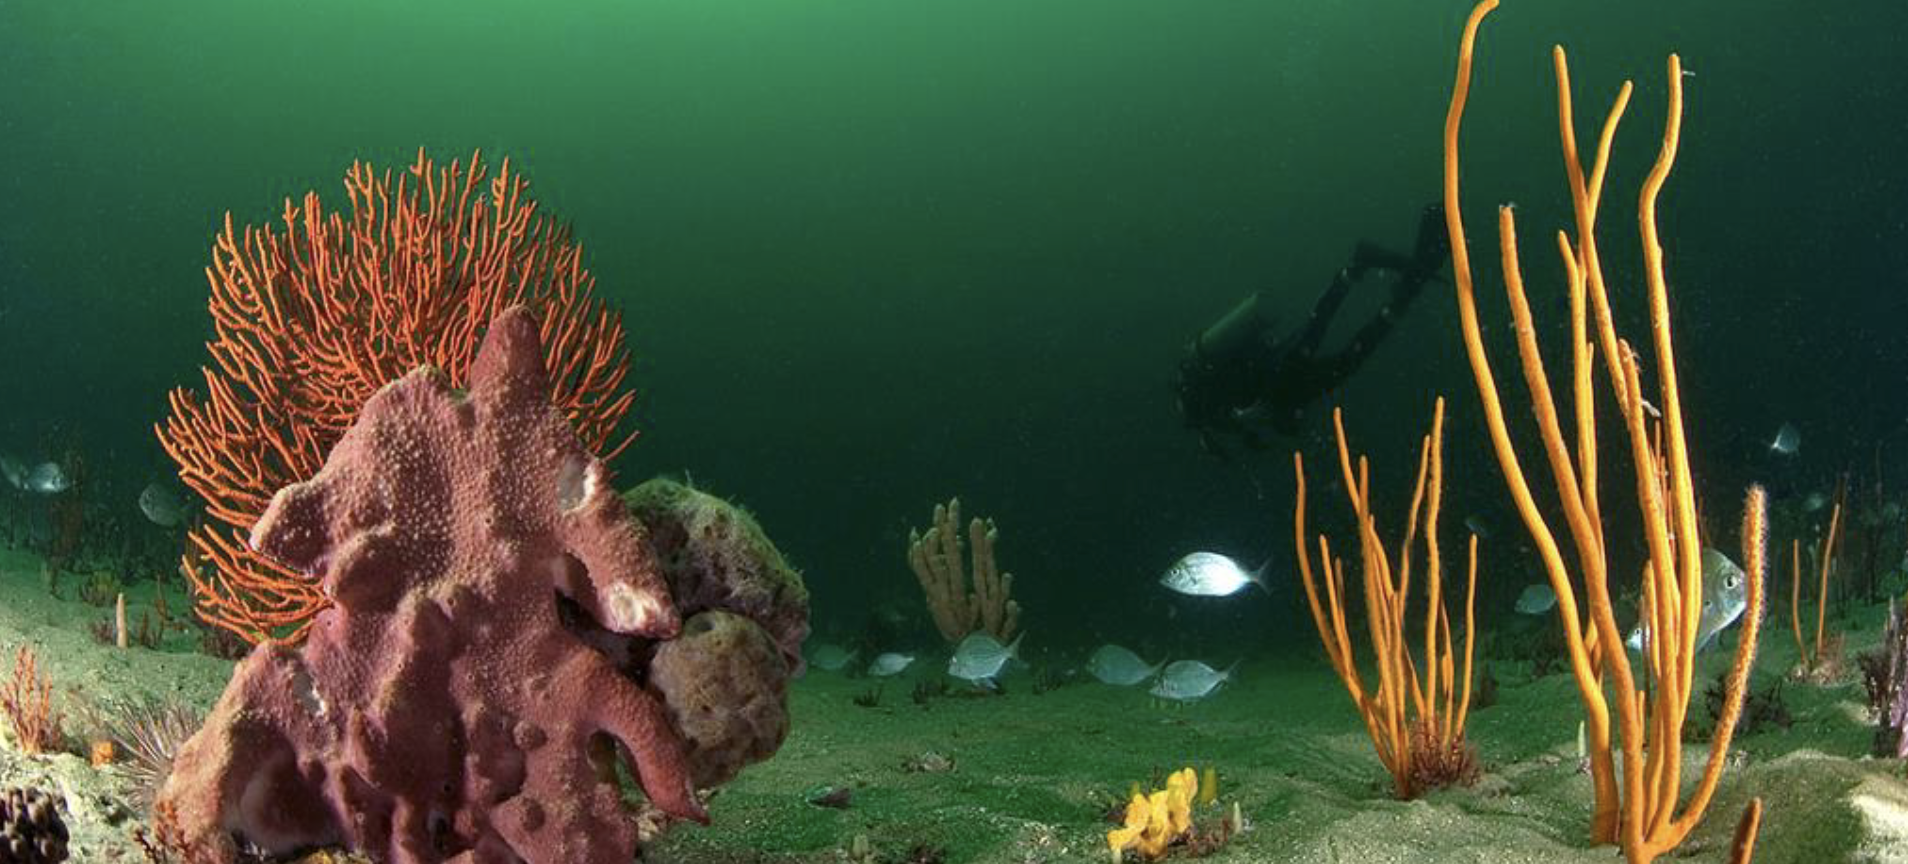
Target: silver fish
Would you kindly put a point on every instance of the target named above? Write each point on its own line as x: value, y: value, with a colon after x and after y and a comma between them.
x: 46, y: 478
x: 1476, y: 525
x: 15, y: 472
x: 162, y: 506
x: 1189, y: 681
x: 889, y: 664
x: 831, y: 657
x: 1209, y: 574
x: 1725, y: 596
x: 1815, y: 501
x: 1119, y: 667
x: 1536, y: 599
x: 1787, y: 440
x: 980, y: 657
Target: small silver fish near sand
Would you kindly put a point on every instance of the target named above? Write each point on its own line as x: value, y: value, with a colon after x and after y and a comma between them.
x: 1725, y: 596
x: 830, y: 657
x: 1210, y: 574
x: 980, y: 658
x: 1536, y: 599
x: 1120, y: 667
x: 890, y: 664
x: 1787, y: 440
x: 1189, y: 681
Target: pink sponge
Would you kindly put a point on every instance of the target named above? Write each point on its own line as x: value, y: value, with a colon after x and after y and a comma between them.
x: 443, y: 709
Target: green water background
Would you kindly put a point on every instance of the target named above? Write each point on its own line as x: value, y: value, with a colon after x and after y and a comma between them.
x: 873, y: 254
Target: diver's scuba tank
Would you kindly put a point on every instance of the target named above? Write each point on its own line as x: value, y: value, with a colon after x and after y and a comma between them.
x: 1236, y: 332
x: 1221, y: 363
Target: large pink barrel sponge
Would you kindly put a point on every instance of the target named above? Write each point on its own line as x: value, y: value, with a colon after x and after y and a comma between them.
x: 493, y: 603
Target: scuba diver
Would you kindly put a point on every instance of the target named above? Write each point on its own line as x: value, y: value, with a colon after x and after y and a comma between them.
x: 1242, y: 376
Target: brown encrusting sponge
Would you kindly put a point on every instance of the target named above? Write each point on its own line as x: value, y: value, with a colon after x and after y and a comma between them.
x: 715, y: 556
x: 495, y: 607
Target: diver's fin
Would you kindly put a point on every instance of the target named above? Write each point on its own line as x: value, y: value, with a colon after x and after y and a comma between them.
x: 1434, y: 242
x: 1428, y: 253
x: 1368, y: 255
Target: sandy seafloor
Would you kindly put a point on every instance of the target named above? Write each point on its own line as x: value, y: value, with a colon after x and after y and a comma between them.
x: 1032, y: 775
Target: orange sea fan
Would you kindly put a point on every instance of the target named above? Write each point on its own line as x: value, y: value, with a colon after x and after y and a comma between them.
x: 311, y: 319
x: 26, y: 699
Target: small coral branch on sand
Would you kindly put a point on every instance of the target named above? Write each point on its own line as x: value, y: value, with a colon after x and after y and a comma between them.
x: 1823, y: 664
x: 1743, y: 847
x: 27, y: 700
x: 1642, y: 813
x: 936, y: 559
x: 1416, y: 720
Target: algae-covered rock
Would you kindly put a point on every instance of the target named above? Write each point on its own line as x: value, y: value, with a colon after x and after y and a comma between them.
x: 726, y: 686
x: 715, y: 556
x: 725, y: 679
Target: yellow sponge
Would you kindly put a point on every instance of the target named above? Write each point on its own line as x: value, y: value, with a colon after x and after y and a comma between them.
x: 1154, y: 821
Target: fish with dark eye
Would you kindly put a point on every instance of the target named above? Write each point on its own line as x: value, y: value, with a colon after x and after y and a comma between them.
x: 1210, y: 574
x: 1189, y: 681
x: 1725, y: 597
x: 980, y: 658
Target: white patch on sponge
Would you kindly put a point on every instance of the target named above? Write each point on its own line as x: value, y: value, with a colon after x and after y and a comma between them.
x: 577, y: 480
x: 630, y: 610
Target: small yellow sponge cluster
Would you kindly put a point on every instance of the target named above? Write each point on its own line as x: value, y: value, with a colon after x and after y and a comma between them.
x: 1154, y: 821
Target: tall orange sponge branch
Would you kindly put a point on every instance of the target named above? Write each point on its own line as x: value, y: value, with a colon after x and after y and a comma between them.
x: 1415, y: 718
x: 1645, y: 814
x: 311, y: 320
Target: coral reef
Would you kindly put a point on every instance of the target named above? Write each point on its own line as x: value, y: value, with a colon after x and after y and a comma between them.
x: 31, y: 831
x: 310, y: 322
x: 961, y: 605
x: 492, y: 599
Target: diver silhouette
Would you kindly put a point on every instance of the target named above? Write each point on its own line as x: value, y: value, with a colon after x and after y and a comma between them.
x: 1241, y: 376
